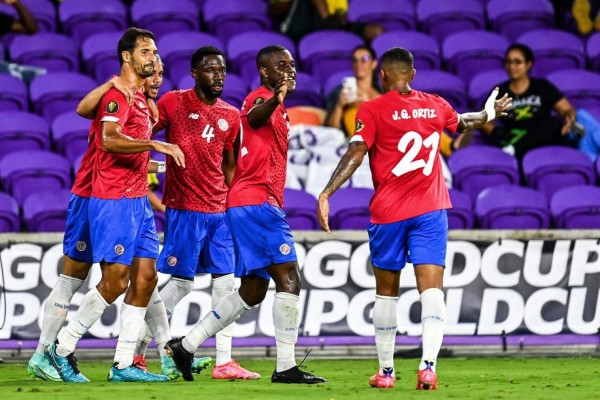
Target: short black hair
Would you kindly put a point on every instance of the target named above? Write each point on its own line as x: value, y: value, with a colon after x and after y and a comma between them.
x: 265, y: 52
x: 525, y: 50
x: 204, y: 51
x: 398, y: 55
x: 129, y: 40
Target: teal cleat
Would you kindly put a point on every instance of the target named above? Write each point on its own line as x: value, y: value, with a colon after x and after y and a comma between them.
x: 200, y: 364
x: 133, y: 374
x: 66, y: 366
x: 40, y: 367
x: 170, y: 369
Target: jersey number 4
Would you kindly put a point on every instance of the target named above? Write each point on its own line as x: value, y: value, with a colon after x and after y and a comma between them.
x: 411, y: 144
x: 208, y: 133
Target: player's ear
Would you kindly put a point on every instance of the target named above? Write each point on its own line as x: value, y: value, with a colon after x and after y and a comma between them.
x: 126, y: 56
x: 194, y: 74
x: 413, y: 74
x: 382, y: 75
x: 263, y: 72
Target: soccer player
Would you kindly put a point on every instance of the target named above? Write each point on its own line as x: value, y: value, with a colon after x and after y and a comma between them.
x: 264, y: 245
x: 401, y: 130
x: 122, y: 230
x: 197, y: 238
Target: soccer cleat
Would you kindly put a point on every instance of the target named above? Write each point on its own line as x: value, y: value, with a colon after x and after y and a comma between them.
x: 383, y: 380
x: 183, y: 359
x: 65, y: 366
x: 39, y: 367
x: 295, y: 375
x: 200, y: 364
x: 427, y: 379
x: 233, y: 370
x: 133, y: 374
x: 140, y: 362
x: 168, y: 368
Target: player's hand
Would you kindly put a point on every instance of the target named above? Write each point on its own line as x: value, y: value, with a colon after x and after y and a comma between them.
x: 323, y: 212
x: 281, y: 88
x: 171, y: 150
x: 124, y: 87
x: 502, y: 105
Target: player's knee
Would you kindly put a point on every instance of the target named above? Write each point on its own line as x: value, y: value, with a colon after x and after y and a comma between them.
x: 110, y: 290
x: 254, y: 298
x: 144, y: 285
x: 289, y: 283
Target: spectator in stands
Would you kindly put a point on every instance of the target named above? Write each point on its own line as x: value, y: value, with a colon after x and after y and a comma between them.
x: 343, y: 101
x: 530, y: 123
x: 25, y: 24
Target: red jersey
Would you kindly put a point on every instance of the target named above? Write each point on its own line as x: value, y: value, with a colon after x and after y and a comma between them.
x: 121, y: 175
x: 262, y: 162
x: 403, y: 136
x: 202, y: 132
x: 82, y: 186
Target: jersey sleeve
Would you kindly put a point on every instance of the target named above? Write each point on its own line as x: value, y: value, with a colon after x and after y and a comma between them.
x: 365, y: 125
x: 234, y: 128
x: 254, y: 99
x: 450, y: 115
x: 114, y: 108
x: 163, y: 111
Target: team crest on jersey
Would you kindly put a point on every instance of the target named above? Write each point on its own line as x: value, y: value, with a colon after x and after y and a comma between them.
x: 285, y: 249
x: 119, y: 249
x: 112, y: 107
x: 223, y: 125
x: 259, y: 100
x: 359, y: 126
x: 81, y: 246
x: 172, y: 260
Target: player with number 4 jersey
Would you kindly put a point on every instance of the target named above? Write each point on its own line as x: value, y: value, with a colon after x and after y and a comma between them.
x: 401, y: 132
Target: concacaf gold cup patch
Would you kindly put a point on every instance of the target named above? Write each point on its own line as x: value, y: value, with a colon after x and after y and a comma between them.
x: 259, y: 100
x: 359, y: 126
x: 112, y: 107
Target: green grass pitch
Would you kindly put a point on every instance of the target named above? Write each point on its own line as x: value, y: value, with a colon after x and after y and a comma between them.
x: 459, y: 378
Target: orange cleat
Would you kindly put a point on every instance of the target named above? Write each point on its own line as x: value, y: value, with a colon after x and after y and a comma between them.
x: 426, y: 379
x: 140, y: 362
x: 233, y: 370
x: 385, y: 380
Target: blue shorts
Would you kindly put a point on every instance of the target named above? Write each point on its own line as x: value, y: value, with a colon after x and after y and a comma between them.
x: 261, y: 238
x: 122, y: 229
x: 76, y: 242
x: 196, y: 243
x: 420, y: 240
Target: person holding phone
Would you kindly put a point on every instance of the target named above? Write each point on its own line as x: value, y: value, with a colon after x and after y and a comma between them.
x: 343, y: 101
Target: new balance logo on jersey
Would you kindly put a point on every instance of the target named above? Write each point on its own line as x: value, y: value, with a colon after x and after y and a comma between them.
x: 208, y: 133
x: 193, y: 116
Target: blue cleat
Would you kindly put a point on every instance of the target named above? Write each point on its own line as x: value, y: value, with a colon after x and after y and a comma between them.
x: 200, y: 364
x: 133, y: 374
x: 170, y: 369
x: 39, y: 367
x: 65, y: 366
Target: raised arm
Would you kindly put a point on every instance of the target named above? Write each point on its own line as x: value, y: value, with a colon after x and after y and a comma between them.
x: 493, y: 109
x: 89, y: 104
x: 26, y: 22
x: 261, y: 113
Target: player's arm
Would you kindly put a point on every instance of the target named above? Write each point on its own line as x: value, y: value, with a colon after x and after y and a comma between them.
x: 89, y: 104
x: 154, y: 110
x: 155, y: 167
x: 493, y: 109
x: 344, y: 170
x: 26, y: 22
x: 228, y: 166
x: 564, y: 108
x: 261, y: 113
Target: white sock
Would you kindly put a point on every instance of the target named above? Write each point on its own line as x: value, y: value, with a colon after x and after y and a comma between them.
x: 228, y: 310
x: 221, y: 287
x: 386, y: 325
x: 56, y: 309
x: 132, y: 319
x: 91, y: 309
x: 157, y: 322
x: 433, y: 316
x: 286, y: 319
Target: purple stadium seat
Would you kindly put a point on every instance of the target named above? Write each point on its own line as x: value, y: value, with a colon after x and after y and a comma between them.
x: 393, y: 15
x: 512, y: 207
x: 176, y: 50
x: 424, y: 48
x: 13, y: 96
x: 44, y: 13
x: 593, y: 51
x: 82, y: 19
x: 56, y: 93
x: 468, y: 53
x: 513, y: 17
x: 163, y: 17
x: 325, y: 52
x: 444, y: 84
x: 336, y: 80
x: 242, y: 50
x: 576, y: 207
x: 159, y: 219
x: 482, y: 84
x: 20, y: 130
x: 46, y: 210
x: 551, y: 168
x: 300, y: 209
x: 100, y: 55
x: 350, y: 208
x: 25, y: 172
x: 76, y: 164
x: 460, y: 216
x: 70, y: 135
x: 581, y: 87
x: 597, y: 168
x: 554, y: 50
x: 441, y: 18
x: 166, y: 86
x: 307, y: 93
x: 52, y: 51
x: 475, y: 168
x: 229, y: 18
x: 9, y: 214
